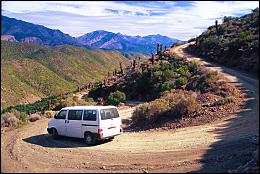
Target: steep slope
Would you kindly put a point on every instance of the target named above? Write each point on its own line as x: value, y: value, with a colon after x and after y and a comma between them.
x: 117, y: 41
x: 31, y: 71
x: 26, y: 32
x: 234, y: 43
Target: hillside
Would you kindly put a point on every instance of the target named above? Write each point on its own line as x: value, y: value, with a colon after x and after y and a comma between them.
x: 31, y: 71
x: 233, y: 43
x: 117, y: 41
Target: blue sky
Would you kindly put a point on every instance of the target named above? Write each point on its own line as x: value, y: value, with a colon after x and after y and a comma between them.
x: 177, y: 19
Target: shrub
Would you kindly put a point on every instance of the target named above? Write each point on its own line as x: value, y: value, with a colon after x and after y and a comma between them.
x: 34, y: 117
x: 49, y: 114
x: 181, y: 102
x: 225, y: 100
x: 9, y: 120
x: 173, y: 104
x: 166, y: 86
x: 87, y: 102
x: 194, y: 67
x: 22, y: 116
x: 115, y: 98
x: 207, y: 80
x: 180, y: 82
x: 149, y: 112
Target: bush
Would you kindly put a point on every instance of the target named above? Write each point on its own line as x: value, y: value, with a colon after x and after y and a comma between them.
x: 115, y: 98
x: 49, y: 114
x: 149, y: 112
x: 207, y: 81
x: 181, y: 102
x: 173, y: 104
x: 225, y: 100
x: 194, y: 67
x: 180, y: 82
x: 34, y: 117
x: 22, y: 116
x: 87, y: 102
x: 9, y: 120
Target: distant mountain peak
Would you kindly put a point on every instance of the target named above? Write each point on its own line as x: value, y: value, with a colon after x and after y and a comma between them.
x: 37, y: 34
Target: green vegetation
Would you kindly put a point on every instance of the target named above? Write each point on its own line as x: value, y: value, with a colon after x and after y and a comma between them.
x: 234, y: 44
x: 115, y: 98
x: 149, y: 85
x: 30, y: 72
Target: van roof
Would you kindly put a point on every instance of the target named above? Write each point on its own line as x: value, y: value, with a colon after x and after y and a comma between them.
x: 89, y: 107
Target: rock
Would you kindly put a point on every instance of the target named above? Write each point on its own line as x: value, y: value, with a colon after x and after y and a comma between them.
x: 121, y: 104
x: 145, y: 171
x: 103, y: 167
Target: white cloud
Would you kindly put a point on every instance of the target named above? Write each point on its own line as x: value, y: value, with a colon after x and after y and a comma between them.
x: 79, y: 17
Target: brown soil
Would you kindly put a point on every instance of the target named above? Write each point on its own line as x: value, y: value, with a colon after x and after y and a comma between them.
x: 213, y: 147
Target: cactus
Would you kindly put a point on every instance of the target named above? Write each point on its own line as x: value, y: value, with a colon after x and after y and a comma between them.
x: 121, y: 67
x: 152, y: 59
x: 216, y: 24
x: 134, y: 63
x: 158, y: 48
x: 78, y: 88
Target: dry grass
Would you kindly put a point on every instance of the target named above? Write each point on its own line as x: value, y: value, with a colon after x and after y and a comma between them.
x: 173, y: 105
x: 9, y: 120
x: 49, y: 114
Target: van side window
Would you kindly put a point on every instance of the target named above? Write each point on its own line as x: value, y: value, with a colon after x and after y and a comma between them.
x: 61, y: 115
x: 75, y: 115
x: 90, y: 115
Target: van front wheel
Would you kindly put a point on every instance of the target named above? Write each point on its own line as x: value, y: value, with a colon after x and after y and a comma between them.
x: 54, y: 134
x: 89, y: 139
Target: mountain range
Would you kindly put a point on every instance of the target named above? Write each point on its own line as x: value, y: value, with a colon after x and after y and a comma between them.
x: 21, y: 31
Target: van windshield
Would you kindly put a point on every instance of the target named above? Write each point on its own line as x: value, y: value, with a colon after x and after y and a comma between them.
x: 109, y: 113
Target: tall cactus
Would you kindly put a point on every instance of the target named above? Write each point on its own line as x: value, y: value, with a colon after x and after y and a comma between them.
x: 152, y: 59
x: 134, y: 63
x: 216, y: 25
x: 158, y: 48
x: 121, y: 67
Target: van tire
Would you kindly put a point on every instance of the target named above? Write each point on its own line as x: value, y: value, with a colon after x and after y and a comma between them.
x: 54, y: 133
x: 89, y: 139
x: 111, y: 138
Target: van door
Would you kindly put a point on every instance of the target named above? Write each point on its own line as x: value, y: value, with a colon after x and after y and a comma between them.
x: 60, y: 120
x: 73, y: 123
x: 90, y: 121
x: 110, y: 122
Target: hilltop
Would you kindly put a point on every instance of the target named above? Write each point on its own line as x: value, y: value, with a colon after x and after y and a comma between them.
x: 30, y: 72
x: 117, y: 41
x: 233, y: 43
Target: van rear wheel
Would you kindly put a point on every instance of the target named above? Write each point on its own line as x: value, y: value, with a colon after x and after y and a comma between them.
x: 89, y: 139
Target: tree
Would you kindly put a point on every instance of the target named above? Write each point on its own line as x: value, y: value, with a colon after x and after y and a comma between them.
x: 115, y: 98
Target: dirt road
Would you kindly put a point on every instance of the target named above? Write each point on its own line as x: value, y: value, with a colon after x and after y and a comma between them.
x: 215, y: 147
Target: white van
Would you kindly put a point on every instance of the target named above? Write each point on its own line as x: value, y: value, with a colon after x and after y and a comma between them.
x: 89, y: 122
